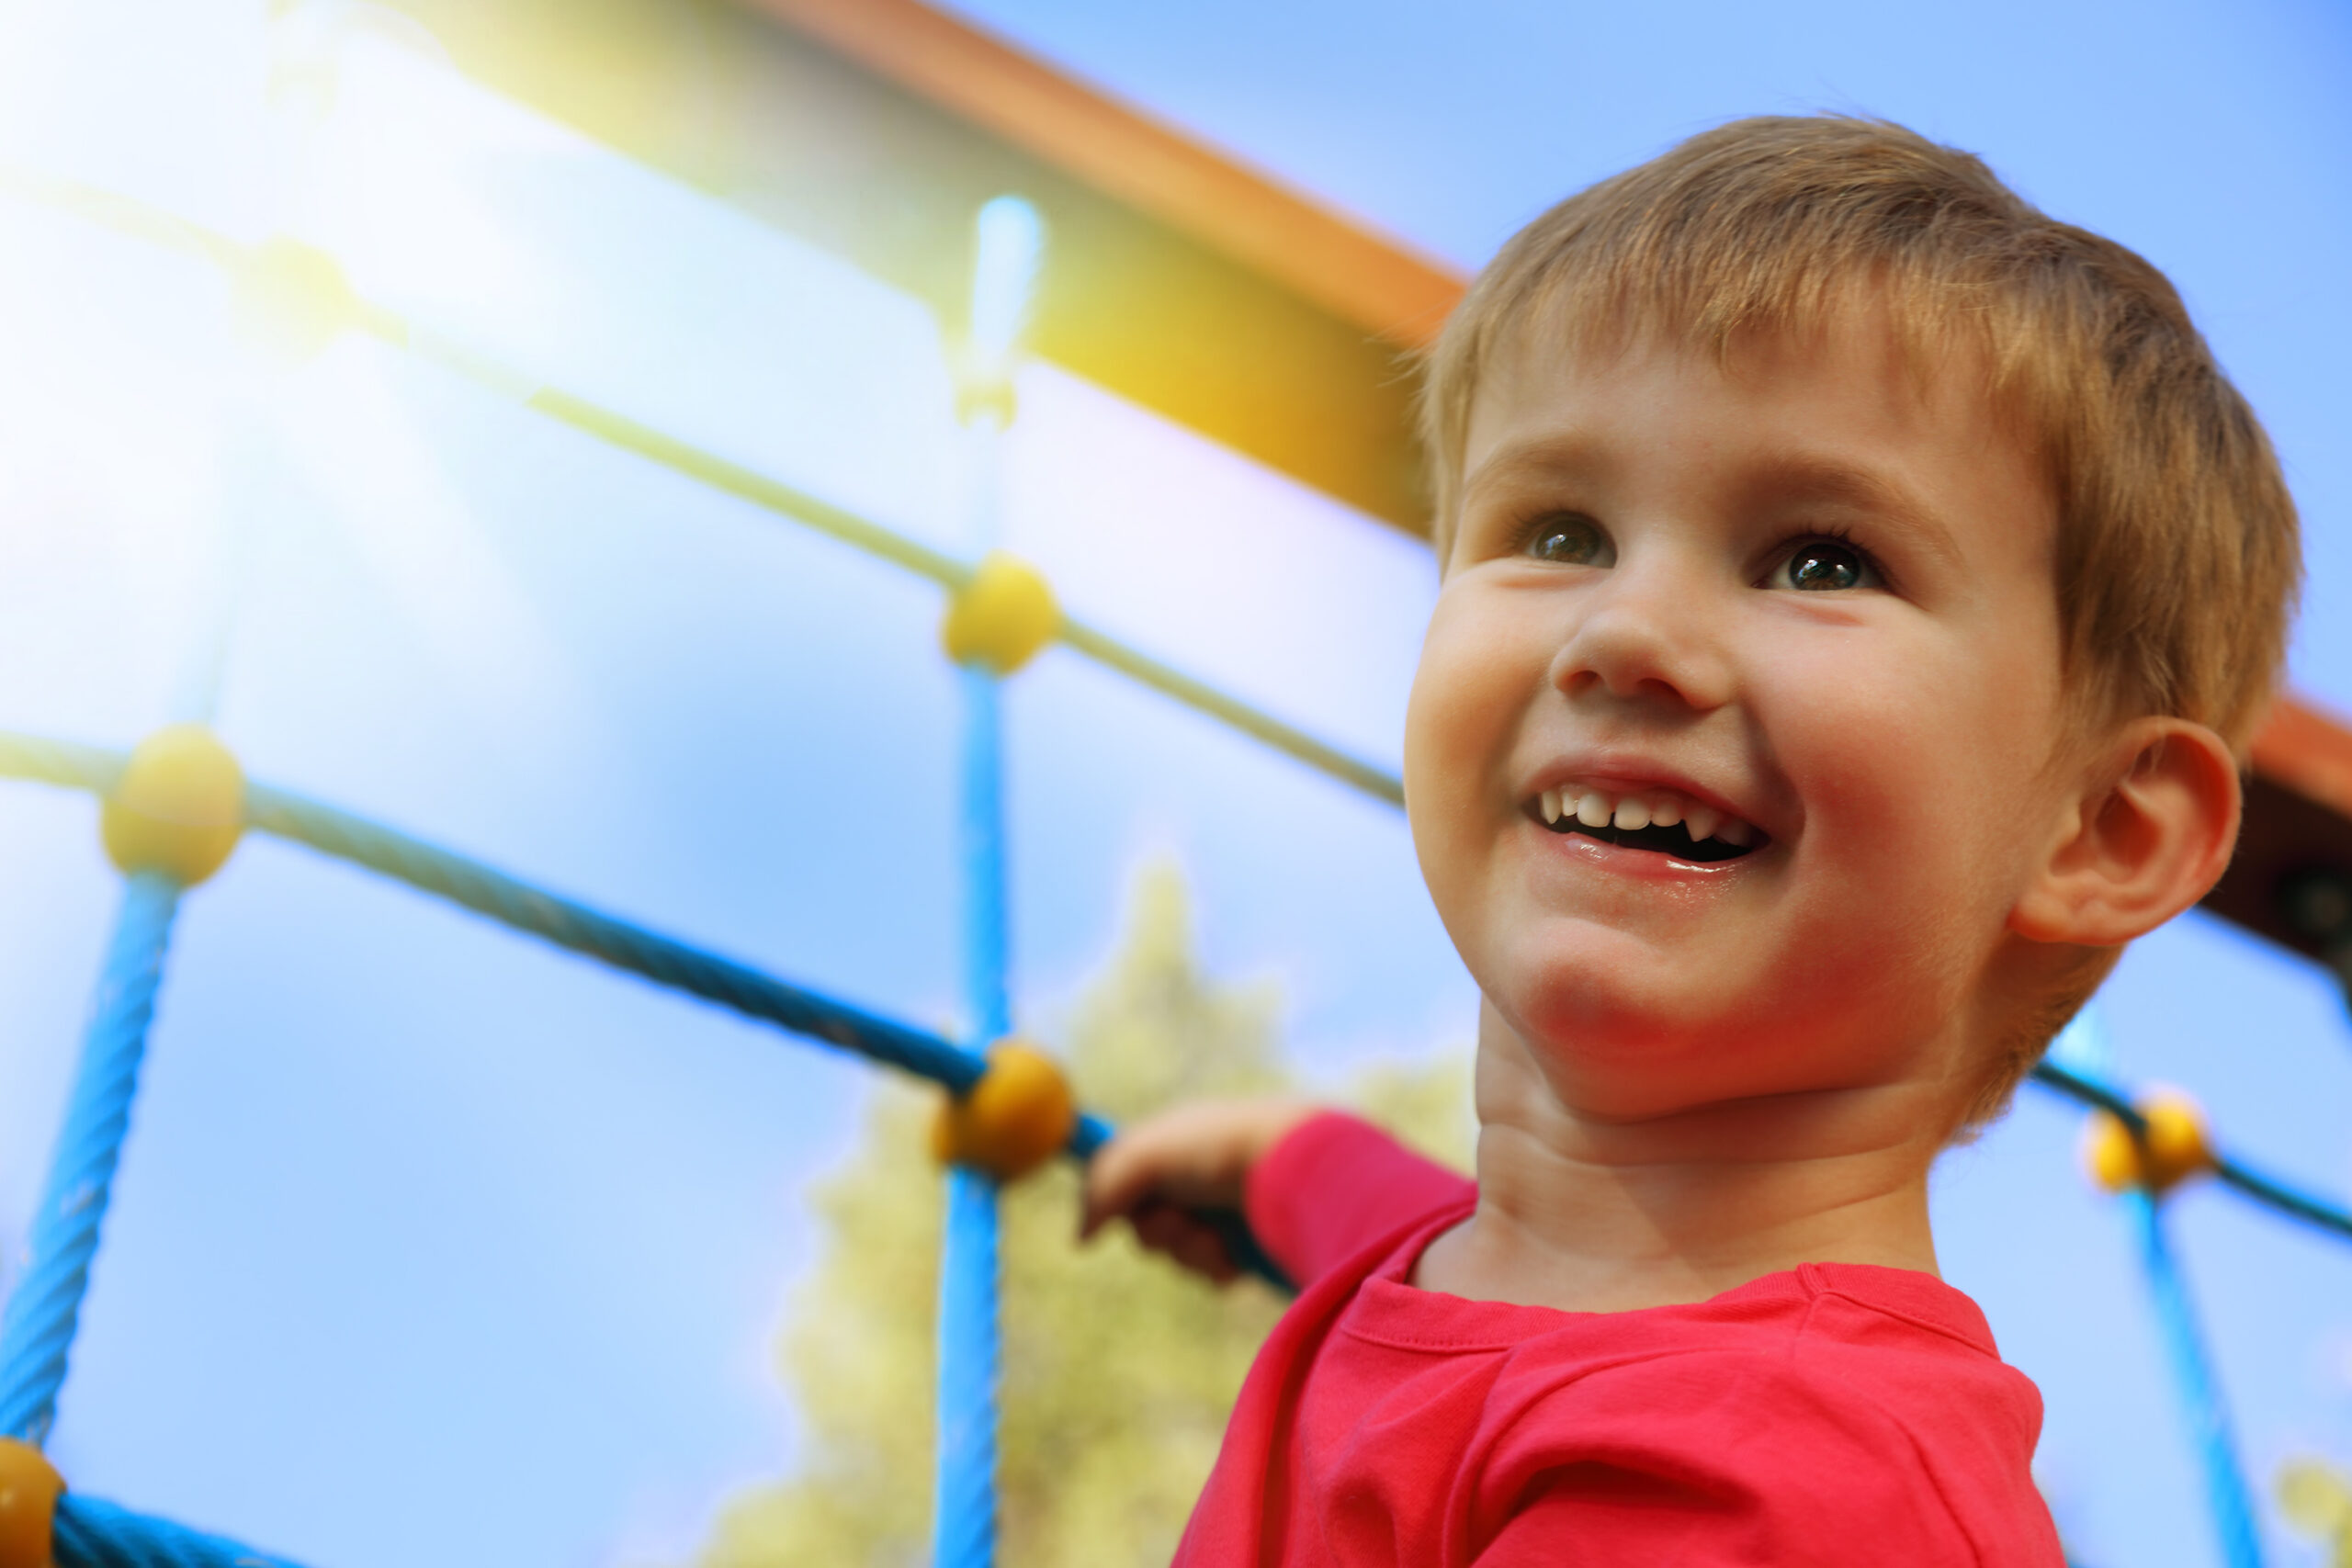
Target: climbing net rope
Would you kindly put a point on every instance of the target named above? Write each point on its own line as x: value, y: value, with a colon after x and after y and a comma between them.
x: 174, y: 808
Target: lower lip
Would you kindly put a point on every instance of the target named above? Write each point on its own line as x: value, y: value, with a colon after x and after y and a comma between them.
x: 1618, y: 860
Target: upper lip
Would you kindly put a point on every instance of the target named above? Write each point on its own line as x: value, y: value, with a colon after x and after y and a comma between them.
x: 1624, y: 776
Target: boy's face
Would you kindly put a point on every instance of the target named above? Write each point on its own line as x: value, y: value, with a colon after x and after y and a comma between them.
x: 1809, y: 597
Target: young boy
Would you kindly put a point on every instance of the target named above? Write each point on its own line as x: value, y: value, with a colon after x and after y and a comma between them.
x: 1859, y: 590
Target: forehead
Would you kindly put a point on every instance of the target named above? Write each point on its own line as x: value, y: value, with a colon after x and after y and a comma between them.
x: 1852, y: 370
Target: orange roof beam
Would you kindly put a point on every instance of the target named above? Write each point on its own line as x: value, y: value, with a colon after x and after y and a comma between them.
x: 1369, y: 281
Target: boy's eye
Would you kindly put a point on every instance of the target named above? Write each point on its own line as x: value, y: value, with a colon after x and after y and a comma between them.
x: 1821, y: 565
x: 1571, y: 540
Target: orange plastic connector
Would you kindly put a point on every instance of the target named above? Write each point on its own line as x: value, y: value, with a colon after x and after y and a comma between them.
x: 1016, y: 1118
x: 2175, y: 1147
x: 179, y: 808
x: 28, y: 1492
x: 1002, y: 617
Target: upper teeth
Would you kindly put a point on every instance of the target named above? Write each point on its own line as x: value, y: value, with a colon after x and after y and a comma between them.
x: 1660, y: 808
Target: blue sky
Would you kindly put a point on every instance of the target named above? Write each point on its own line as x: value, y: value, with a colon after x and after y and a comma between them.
x: 428, y: 1235
x: 2215, y: 138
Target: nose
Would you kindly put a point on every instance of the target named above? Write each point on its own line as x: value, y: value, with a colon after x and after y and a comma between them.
x: 1649, y: 631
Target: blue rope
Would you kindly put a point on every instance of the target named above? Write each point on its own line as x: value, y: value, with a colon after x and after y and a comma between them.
x: 575, y: 927
x: 534, y: 911
x: 964, y: 1523
x: 91, y: 1534
x: 628, y: 947
x: 2209, y: 1421
x: 964, y: 1526
x: 37, y: 1327
x: 987, y: 955
x: 1009, y: 238
x: 861, y: 533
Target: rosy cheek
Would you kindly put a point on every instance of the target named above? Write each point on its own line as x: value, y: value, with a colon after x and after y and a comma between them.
x: 1447, y: 701
x: 1908, y: 767
x: 1457, y: 735
x: 1866, y: 752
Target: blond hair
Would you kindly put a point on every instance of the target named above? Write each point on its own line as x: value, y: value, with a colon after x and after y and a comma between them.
x: 2177, y: 560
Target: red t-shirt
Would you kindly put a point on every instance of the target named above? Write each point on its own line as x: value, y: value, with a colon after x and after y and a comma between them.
x: 1832, y: 1414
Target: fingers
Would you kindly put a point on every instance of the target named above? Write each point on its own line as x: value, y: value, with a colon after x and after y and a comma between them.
x: 1197, y: 1155
x: 1204, y: 1255
x: 1164, y: 1228
x: 1185, y: 1156
x: 1122, y: 1175
x: 1161, y: 1172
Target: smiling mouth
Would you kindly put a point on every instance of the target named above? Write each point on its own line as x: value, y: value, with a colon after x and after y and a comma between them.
x: 1660, y: 821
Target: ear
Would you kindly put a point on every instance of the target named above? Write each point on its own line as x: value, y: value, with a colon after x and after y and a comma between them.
x: 2149, y: 832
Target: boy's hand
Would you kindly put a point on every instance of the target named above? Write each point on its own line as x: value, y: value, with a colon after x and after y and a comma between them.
x: 1163, y: 1170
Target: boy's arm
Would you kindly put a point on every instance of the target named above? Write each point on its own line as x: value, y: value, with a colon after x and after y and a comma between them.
x: 1335, y: 1185
x: 1315, y: 1184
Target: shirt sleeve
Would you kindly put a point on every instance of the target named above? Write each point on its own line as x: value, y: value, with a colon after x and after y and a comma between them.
x: 1336, y: 1184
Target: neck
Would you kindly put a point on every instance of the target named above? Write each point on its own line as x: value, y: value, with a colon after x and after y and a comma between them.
x: 1588, y: 1213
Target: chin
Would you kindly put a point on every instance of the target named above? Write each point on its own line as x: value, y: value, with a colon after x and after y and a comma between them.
x: 1642, y: 1018
x: 1615, y: 999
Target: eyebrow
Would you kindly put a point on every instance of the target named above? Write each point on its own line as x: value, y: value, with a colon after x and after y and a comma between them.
x: 1551, y: 456
x: 1797, y: 477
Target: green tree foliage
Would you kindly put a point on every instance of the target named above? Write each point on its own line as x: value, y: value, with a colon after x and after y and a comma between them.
x: 1119, y: 1371
x: 2316, y: 1497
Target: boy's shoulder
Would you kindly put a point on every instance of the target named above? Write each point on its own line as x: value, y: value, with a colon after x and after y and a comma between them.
x: 1863, y: 1350
x: 1825, y: 1402
x: 1792, y: 1375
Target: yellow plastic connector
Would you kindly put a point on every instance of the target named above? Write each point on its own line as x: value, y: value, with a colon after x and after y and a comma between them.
x: 1002, y: 617
x: 29, y: 1488
x: 1015, y: 1118
x: 290, y: 301
x: 2175, y: 1147
x: 179, y: 808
